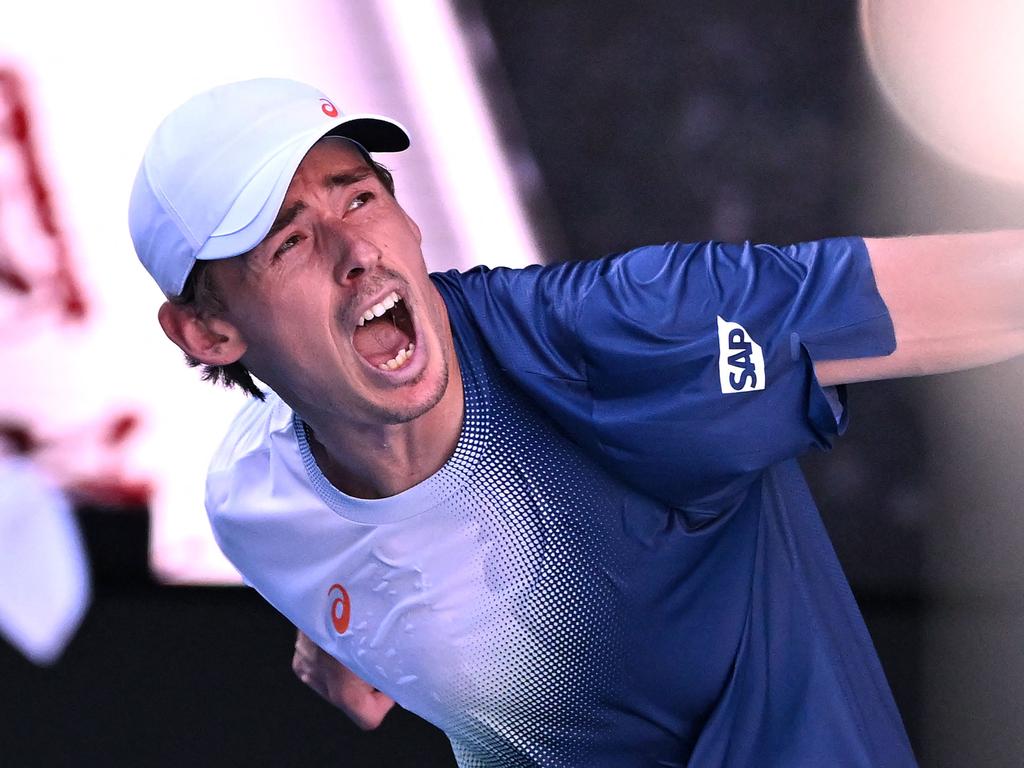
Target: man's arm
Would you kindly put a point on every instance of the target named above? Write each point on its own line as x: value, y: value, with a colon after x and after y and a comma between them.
x: 956, y: 301
x: 364, y: 704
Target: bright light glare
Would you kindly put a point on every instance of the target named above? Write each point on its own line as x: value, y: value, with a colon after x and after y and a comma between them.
x: 953, y: 70
x: 455, y: 123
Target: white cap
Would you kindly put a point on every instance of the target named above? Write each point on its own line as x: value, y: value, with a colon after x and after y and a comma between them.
x: 216, y: 171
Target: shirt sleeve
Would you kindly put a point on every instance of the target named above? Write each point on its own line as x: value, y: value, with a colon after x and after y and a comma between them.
x: 688, y: 367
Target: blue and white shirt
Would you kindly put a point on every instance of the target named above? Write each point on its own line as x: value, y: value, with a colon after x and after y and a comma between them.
x: 620, y: 565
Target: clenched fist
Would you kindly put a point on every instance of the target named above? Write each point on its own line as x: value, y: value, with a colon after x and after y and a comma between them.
x: 364, y: 704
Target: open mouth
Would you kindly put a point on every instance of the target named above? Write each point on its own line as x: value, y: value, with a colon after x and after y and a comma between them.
x: 385, y: 335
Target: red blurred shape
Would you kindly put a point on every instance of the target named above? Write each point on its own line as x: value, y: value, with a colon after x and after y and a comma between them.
x: 112, y: 492
x: 66, y: 293
x: 13, y: 281
x: 122, y: 428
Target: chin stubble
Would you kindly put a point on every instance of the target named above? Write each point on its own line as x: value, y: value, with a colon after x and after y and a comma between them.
x: 396, y: 416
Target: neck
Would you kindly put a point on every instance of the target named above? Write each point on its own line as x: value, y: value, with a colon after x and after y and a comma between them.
x: 373, y: 461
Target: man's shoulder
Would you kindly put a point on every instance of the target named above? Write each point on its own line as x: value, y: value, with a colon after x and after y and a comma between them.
x: 251, y: 433
x: 256, y: 477
x: 256, y: 467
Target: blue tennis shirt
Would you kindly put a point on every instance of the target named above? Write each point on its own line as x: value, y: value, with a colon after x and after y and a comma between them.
x: 620, y: 565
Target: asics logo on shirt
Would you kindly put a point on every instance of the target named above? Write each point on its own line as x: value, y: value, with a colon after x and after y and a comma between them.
x: 740, y: 359
x: 341, y: 608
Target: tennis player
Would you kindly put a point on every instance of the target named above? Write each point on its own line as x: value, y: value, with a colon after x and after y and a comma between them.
x: 554, y: 511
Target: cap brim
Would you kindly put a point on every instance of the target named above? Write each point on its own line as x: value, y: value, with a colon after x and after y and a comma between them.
x: 374, y: 132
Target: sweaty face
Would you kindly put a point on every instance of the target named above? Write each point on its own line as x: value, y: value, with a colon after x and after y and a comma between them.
x: 334, y: 308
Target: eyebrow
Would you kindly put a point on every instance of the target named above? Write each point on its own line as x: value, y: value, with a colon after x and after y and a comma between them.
x: 344, y: 179
x: 286, y: 217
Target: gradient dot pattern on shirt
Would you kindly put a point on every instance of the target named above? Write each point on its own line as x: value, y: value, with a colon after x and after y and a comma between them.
x: 532, y: 684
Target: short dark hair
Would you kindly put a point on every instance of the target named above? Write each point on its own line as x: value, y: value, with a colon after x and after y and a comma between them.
x: 200, y: 296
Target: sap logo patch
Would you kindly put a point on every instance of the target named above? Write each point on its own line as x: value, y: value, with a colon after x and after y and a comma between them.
x: 740, y: 359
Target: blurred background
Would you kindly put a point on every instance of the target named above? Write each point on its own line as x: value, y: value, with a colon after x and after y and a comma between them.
x: 543, y: 131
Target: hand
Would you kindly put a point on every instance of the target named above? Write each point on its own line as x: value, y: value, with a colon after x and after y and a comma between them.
x: 364, y: 704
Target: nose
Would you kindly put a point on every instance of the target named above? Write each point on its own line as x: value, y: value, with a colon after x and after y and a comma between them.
x: 355, y: 256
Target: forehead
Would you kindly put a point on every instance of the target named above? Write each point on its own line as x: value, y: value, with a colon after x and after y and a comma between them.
x: 329, y: 155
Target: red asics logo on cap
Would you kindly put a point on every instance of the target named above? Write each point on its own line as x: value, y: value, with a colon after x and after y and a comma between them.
x: 341, y: 608
x: 329, y: 109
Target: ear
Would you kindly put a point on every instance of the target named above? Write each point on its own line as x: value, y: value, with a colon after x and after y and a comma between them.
x: 209, y: 340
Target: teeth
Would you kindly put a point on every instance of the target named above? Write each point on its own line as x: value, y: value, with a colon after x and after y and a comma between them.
x: 400, y: 359
x: 379, y: 308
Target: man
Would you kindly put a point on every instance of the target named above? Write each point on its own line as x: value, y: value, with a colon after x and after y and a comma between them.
x: 554, y: 511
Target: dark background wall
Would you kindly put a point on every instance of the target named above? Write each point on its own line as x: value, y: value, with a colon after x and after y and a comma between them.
x: 647, y: 121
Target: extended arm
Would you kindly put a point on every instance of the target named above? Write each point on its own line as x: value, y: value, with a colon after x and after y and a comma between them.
x: 364, y: 704
x: 956, y: 301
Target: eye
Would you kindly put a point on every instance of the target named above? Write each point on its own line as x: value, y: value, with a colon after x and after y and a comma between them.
x: 360, y: 200
x: 287, y: 245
